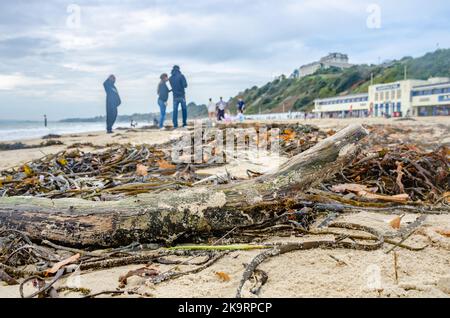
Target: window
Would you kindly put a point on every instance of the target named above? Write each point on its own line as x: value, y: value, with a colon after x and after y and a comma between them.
x: 399, y: 94
x: 376, y: 97
x: 392, y: 95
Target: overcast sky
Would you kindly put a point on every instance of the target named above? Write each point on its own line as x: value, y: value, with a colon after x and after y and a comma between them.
x: 53, y: 63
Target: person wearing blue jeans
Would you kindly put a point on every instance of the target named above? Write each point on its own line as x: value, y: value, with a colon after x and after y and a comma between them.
x: 163, y: 97
x: 179, y: 85
x: 176, y: 103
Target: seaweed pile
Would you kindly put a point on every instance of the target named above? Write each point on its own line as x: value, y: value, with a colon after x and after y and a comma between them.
x: 123, y: 169
x: 399, y: 174
x: 393, y: 167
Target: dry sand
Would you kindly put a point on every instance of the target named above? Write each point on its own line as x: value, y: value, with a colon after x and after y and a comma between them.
x: 313, y: 273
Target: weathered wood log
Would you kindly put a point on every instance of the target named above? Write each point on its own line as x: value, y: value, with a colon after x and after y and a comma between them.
x: 159, y: 216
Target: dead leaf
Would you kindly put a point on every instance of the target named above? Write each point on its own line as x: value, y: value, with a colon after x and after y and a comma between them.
x: 443, y: 232
x: 447, y: 196
x: 141, y: 170
x: 223, y: 276
x: 61, y: 264
x: 288, y: 135
x: 27, y: 170
x: 62, y: 162
x: 164, y: 165
x: 395, y: 223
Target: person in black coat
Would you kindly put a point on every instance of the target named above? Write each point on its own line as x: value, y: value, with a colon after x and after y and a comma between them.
x: 112, y: 102
x: 179, y: 84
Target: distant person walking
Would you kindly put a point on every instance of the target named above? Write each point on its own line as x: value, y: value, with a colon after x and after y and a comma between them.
x: 112, y: 102
x: 212, y: 111
x: 179, y: 84
x: 221, y: 106
x: 241, y: 109
x: 241, y: 106
x: 163, y: 97
x: 45, y: 121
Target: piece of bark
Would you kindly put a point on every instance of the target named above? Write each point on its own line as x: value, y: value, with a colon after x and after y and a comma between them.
x: 159, y: 216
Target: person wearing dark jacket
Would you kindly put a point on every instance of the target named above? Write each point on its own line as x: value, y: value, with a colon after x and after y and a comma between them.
x: 179, y: 85
x: 163, y: 97
x: 112, y: 102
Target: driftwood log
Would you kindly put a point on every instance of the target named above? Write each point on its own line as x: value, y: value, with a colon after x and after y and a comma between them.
x: 160, y: 216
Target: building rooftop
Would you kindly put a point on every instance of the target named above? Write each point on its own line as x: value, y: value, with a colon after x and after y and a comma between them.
x: 343, y: 97
x: 430, y: 85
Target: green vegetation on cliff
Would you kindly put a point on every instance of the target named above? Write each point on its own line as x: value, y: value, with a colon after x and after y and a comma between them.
x: 299, y: 94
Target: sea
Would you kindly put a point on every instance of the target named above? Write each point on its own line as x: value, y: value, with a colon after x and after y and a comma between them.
x: 24, y: 130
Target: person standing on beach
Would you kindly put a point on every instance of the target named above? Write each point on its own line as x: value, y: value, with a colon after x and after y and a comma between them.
x: 241, y: 109
x: 163, y: 97
x: 221, y: 106
x: 212, y: 111
x: 241, y: 106
x: 45, y: 121
x: 112, y: 102
x: 179, y: 85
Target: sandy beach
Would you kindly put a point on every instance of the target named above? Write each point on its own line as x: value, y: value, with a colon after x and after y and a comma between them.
x: 313, y: 273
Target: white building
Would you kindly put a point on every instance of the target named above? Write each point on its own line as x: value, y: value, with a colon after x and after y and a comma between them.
x: 432, y: 99
x: 407, y: 97
x: 342, y: 106
x: 393, y: 99
x: 338, y: 60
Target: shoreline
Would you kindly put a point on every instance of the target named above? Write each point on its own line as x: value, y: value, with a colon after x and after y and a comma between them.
x: 12, y: 158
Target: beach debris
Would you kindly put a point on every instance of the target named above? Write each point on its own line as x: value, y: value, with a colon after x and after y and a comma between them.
x: 4, y: 277
x: 119, y: 171
x: 224, y: 277
x: 62, y: 264
x: 443, y: 232
x: 44, y: 290
x: 84, y: 145
x: 20, y: 145
x: 140, y: 272
x: 382, y: 172
x: 395, y: 223
x: 52, y: 136
x: 396, y: 173
x: 141, y: 170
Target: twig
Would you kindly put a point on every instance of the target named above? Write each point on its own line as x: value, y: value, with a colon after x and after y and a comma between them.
x: 217, y: 248
x: 45, y: 288
x: 402, y: 241
x: 396, y: 267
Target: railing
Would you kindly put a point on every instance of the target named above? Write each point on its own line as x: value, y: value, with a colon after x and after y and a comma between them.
x: 278, y: 116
